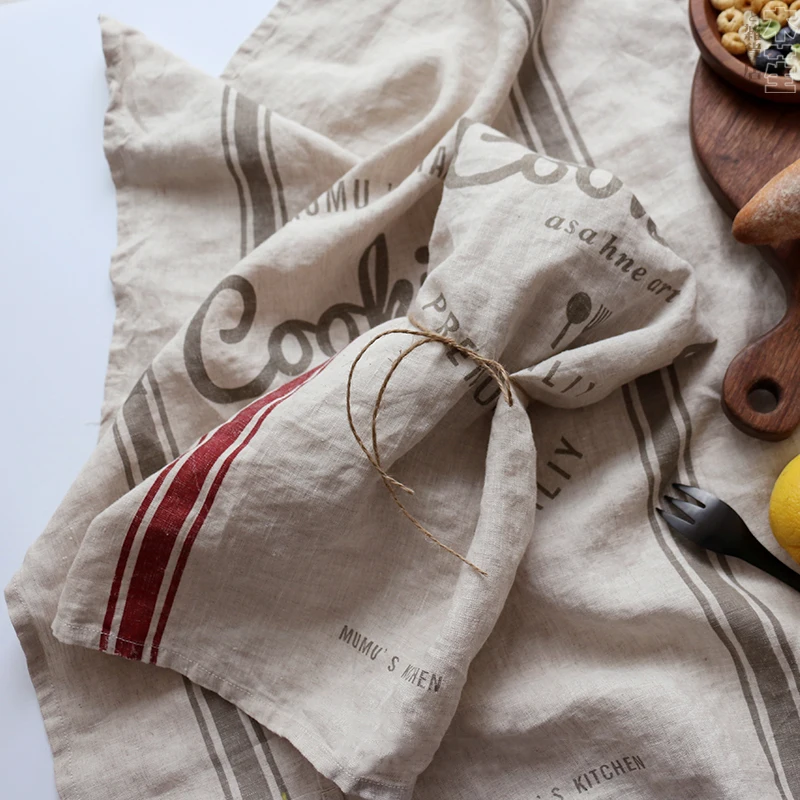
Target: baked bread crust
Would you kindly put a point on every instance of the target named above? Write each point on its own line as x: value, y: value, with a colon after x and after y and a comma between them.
x: 773, y: 214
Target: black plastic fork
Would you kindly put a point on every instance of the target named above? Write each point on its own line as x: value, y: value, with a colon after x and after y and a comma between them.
x: 714, y: 525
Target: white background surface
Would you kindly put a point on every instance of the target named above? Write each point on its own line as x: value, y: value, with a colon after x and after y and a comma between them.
x: 57, y: 231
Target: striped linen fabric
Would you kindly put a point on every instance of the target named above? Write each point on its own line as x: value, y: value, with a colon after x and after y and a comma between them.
x: 356, y: 162
x: 267, y: 548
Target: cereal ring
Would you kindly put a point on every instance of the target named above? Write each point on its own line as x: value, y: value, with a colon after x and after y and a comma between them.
x: 721, y: 5
x: 734, y: 43
x: 794, y: 7
x: 730, y: 20
x: 750, y: 5
x: 777, y: 10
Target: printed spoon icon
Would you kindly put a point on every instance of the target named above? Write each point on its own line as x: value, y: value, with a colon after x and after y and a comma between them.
x: 578, y: 309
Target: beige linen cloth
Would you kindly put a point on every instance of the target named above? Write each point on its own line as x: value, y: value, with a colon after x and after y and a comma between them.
x: 339, y: 175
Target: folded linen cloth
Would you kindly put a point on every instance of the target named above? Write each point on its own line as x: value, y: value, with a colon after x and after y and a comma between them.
x: 268, y: 563
x: 622, y: 664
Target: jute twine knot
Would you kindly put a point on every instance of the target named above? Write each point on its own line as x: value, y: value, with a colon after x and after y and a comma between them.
x: 495, y: 369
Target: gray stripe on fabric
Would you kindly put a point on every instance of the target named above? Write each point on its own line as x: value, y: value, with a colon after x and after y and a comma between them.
x: 273, y: 164
x: 226, y: 147
x: 518, y: 8
x: 209, y: 743
x: 162, y: 412
x: 238, y: 748
x: 562, y: 101
x: 667, y: 444
x: 780, y: 633
x: 687, y: 422
x: 683, y: 574
x: 520, y: 120
x: 123, y: 454
x: 245, y: 132
x: 150, y: 456
x: 769, y: 675
x: 537, y: 99
x: 743, y: 621
x: 783, y: 640
x: 273, y: 765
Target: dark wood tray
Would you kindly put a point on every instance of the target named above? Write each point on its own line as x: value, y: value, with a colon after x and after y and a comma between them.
x: 740, y: 143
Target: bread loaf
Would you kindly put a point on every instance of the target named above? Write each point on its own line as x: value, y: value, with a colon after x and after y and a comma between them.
x: 773, y: 214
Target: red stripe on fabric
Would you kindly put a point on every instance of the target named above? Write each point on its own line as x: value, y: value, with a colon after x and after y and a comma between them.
x: 125, y: 552
x: 173, y: 511
x: 183, y: 557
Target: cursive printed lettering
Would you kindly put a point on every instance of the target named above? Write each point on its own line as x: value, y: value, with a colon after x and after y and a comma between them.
x: 543, y: 171
x: 378, y: 304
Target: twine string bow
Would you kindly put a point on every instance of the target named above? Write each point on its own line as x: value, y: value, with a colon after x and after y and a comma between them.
x: 495, y: 369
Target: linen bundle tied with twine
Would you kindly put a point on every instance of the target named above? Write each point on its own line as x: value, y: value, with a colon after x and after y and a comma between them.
x: 269, y: 564
x: 268, y: 218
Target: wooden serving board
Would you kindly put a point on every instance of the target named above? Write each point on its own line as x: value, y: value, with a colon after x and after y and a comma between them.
x: 740, y: 143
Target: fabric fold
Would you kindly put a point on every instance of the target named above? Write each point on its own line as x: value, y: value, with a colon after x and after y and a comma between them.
x: 268, y: 222
x: 272, y: 545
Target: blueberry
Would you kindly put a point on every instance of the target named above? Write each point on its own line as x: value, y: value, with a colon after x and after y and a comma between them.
x: 785, y: 39
x: 771, y: 61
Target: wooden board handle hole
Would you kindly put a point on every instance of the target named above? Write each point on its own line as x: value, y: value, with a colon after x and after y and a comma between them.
x: 764, y: 396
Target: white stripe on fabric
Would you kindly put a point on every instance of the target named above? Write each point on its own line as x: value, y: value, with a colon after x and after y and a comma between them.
x: 264, y: 156
x: 219, y: 748
x: 234, y: 153
x: 711, y: 600
x: 548, y: 86
x: 136, y: 546
x: 526, y: 118
x: 127, y: 443
x: 248, y: 723
x: 189, y: 521
x: 152, y: 407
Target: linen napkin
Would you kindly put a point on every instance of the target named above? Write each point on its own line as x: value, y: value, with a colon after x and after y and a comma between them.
x: 623, y: 663
x: 268, y: 563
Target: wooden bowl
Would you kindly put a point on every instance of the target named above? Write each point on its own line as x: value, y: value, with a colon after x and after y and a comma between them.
x: 736, y: 70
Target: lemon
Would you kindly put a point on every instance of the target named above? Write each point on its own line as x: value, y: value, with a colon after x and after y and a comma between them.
x: 784, y: 509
